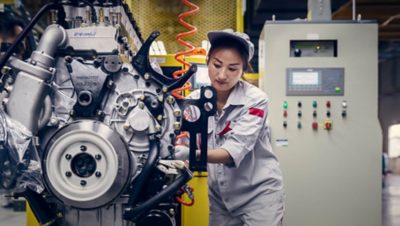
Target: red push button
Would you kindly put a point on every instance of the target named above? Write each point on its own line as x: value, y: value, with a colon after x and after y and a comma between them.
x: 328, y: 104
x: 285, y: 114
x: 314, y: 125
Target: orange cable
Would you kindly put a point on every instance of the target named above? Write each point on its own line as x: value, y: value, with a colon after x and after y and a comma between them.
x: 191, y: 49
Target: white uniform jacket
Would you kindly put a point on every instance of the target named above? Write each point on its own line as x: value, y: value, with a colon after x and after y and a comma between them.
x: 254, y: 180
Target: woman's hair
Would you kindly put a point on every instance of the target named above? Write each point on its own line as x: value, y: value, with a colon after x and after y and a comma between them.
x: 234, y: 44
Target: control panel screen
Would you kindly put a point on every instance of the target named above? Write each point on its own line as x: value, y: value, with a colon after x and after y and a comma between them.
x: 315, y: 81
x: 305, y: 78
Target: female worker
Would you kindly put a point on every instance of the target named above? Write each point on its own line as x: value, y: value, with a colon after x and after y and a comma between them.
x: 245, y: 182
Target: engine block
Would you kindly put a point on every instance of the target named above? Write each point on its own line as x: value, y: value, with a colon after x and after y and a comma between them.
x: 88, y: 126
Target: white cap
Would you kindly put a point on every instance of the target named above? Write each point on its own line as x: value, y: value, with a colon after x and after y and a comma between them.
x: 242, y: 38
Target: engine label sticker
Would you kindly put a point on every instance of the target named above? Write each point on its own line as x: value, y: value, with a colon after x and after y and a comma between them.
x: 281, y: 142
x: 85, y: 34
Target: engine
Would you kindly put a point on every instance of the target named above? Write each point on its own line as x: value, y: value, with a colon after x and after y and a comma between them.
x: 88, y: 125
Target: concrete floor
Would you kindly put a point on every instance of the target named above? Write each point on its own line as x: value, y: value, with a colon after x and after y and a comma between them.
x: 10, y: 218
x: 390, y: 208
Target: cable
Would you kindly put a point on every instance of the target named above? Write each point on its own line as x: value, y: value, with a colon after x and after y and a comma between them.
x: 191, y: 51
x: 389, y: 20
x: 185, y: 189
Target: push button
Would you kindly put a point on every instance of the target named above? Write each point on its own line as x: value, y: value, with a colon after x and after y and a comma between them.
x: 328, y: 125
x: 314, y: 125
x: 285, y: 104
x: 328, y: 104
x: 314, y: 104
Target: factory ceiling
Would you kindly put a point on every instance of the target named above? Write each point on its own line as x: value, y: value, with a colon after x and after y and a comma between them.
x: 385, y: 12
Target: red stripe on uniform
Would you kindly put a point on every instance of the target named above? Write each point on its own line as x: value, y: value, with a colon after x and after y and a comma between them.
x: 257, y: 112
x: 226, y: 129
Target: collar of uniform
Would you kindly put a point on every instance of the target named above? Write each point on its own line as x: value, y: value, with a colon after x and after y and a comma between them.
x: 237, y: 95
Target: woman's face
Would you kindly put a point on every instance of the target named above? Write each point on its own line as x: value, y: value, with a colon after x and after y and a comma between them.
x: 225, y: 67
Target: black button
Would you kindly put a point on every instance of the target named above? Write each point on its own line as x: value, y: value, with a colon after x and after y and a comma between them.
x: 314, y: 114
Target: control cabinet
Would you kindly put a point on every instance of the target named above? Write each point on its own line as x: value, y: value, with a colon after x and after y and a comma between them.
x: 322, y: 83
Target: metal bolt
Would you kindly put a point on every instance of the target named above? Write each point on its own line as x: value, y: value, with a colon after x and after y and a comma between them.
x: 5, y: 70
x: 83, y: 182
x: 141, y: 105
x: 98, y: 174
x: 97, y: 157
x: 157, y: 128
x: 8, y: 88
x: 126, y: 126
x: 146, y: 76
x: 164, y: 89
x: 172, y: 212
x: 177, y: 126
x: 83, y: 148
x: 54, y: 121
x: 170, y: 99
x: 177, y: 113
x: 68, y: 174
x: 160, y: 98
x: 68, y: 156
x: 159, y: 117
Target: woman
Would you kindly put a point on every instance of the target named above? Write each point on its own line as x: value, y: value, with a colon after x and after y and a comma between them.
x: 245, y: 182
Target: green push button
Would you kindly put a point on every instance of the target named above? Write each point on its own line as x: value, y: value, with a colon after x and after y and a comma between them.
x: 338, y: 90
x: 299, y: 125
x: 314, y: 104
x: 285, y: 104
